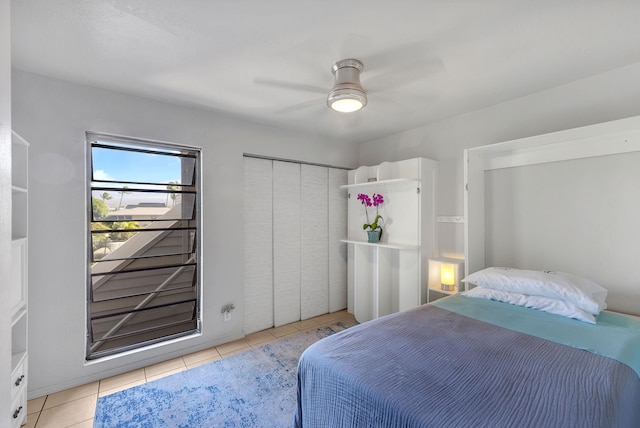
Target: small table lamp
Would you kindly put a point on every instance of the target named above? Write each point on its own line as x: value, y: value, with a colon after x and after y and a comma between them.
x: 447, y: 277
x: 445, y: 274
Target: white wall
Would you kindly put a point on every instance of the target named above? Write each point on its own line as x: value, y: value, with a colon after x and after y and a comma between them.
x: 569, y: 216
x: 53, y: 116
x: 5, y: 209
x: 601, y: 98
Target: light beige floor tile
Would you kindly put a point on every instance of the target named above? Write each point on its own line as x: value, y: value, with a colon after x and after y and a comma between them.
x: 304, y: 325
x: 68, y: 414
x: 104, y: 392
x: 347, y: 319
x: 31, y: 420
x: 286, y: 336
x: 200, y: 363
x: 86, y: 424
x: 259, y: 338
x: 327, y: 318
x: 35, y: 405
x: 72, y: 394
x: 343, y: 313
x: 166, y: 366
x: 206, y: 354
x: 319, y: 326
x: 283, y: 330
x: 232, y: 346
x: 236, y: 351
x: 165, y: 374
x: 122, y: 379
x: 273, y: 339
x: 306, y: 330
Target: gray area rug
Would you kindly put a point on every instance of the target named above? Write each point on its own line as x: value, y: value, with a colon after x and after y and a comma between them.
x: 256, y: 388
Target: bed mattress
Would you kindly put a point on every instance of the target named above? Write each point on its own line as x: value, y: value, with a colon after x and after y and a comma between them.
x: 431, y: 367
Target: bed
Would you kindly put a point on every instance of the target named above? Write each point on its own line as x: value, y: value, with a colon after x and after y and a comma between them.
x: 466, y: 362
x: 514, y: 356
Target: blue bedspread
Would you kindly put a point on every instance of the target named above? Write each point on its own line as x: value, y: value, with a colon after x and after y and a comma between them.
x: 430, y: 367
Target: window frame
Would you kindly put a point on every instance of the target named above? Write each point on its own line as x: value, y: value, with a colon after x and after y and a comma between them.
x: 108, y: 141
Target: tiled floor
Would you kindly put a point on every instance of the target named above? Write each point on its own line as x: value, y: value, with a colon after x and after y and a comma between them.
x: 76, y: 407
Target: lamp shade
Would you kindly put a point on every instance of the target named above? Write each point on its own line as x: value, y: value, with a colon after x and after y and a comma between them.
x: 447, y: 274
x: 346, y: 103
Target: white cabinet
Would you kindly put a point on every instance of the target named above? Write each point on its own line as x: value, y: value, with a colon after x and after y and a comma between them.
x: 391, y: 275
x: 18, y: 280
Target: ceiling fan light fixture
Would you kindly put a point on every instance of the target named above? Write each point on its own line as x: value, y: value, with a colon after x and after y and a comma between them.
x: 347, y: 94
x: 346, y: 101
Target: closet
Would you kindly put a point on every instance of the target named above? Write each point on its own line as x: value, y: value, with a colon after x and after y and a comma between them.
x: 295, y: 266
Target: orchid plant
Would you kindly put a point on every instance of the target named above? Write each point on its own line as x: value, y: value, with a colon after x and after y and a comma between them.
x: 376, y: 200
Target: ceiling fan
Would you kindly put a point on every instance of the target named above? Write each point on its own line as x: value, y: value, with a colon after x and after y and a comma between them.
x: 347, y: 94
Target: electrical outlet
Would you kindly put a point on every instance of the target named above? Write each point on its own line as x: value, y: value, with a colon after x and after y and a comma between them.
x: 226, y: 311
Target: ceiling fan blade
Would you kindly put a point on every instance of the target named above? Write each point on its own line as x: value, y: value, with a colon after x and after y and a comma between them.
x: 289, y: 85
x: 403, y: 75
x: 408, y: 54
x: 353, y: 121
x: 407, y: 105
x: 302, y: 106
x: 390, y: 103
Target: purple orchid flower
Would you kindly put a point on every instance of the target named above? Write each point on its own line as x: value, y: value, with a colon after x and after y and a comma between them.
x: 378, y: 199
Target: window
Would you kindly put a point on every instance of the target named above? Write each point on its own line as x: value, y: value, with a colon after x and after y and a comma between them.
x: 143, y: 247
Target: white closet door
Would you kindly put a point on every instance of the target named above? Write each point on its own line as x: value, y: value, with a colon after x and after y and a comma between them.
x: 286, y: 242
x: 314, y: 242
x: 258, y: 255
x: 337, y: 231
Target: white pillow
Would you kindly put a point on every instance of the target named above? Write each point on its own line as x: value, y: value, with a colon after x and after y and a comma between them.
x: 585, y: 294
x: 546, y: 304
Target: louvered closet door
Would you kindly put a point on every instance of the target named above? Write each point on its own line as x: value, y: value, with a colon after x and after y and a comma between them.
x: 337, y: 231
x: 286, y: 242
x: 258, y: 239
x: 314, y: 243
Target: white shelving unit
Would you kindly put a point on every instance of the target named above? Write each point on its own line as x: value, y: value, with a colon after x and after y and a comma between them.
x: 390, y: 275
x: 19, y: 280
x: 382, y: 244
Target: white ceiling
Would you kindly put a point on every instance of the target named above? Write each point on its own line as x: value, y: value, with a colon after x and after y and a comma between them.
x: 270, y: 61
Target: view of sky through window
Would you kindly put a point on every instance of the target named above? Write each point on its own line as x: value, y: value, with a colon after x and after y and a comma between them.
x: 118, y: 165
x: 127, y: 168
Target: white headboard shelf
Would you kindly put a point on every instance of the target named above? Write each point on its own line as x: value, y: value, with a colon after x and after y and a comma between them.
x: 567, y: 200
